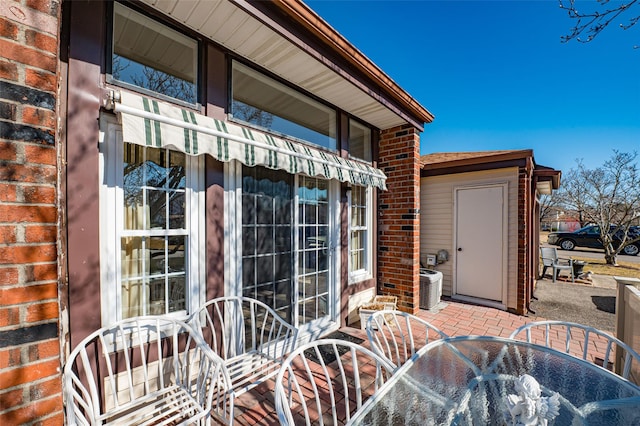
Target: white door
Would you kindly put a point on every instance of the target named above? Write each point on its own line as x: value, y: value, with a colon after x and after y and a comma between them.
x: 480, y: 244
x: 284, y: 245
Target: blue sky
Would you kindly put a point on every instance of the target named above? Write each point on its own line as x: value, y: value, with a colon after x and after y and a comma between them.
x: 496, y: 76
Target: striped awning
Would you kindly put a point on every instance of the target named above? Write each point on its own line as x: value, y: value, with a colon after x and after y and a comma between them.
x: 148, y: 122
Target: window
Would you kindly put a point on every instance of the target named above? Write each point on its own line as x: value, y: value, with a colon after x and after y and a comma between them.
x: 360, y: 234
x: 151, y: 56
x: 150, y: 208
x: 263, y: 102
x: 359, y: 141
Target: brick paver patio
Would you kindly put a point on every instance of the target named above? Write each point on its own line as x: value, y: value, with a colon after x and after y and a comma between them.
x: 453, y: 318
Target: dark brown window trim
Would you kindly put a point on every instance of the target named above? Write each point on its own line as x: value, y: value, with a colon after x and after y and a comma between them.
x: 201, y: 77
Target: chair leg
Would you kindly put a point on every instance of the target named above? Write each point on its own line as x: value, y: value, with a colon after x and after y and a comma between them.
x: 544, y: 270
x: 555, y: 272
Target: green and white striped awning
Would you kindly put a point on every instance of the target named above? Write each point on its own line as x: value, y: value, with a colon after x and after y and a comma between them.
x: 145, y: 121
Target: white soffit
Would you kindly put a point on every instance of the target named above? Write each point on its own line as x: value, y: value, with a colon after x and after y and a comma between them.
x: 233, y: 28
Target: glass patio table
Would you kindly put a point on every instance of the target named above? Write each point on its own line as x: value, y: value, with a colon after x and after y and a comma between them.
x: 471, y: 380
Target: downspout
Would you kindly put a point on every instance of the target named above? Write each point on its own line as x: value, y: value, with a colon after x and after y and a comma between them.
x: 528, y: 285
x: 531, y: 205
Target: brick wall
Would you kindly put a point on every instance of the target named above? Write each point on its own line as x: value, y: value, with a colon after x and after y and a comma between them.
x: 525, y: 238
x: 30, y: 380
x: 399, y: 217
x: 522, y: 239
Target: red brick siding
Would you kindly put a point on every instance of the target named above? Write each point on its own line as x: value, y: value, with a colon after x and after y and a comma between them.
x: 8, y: 29
x: 40, y: 79
x: 8, y: 70
x: 525, y: 240
x: 399, y: 217
x: 30, y: 362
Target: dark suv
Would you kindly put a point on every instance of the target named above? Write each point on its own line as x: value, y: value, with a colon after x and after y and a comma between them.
x: 589, y: 236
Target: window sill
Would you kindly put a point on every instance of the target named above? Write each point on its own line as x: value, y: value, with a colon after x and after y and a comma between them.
x: 359, y: 276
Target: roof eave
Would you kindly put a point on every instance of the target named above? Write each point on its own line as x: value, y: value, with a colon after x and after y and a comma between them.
x: 306, y: 17
x: 549, y: 174
x: 506, y: 156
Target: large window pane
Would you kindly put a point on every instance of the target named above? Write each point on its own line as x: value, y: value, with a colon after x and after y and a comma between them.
x: 177, y: 210
x: 134, y: 259
x: 133, y: 297
x: 157, y: 296
x: 157, y: 208
x: 177, y: 294
x: 264, y: 239
x: 152, y: 56
x: 158, y: 263
x: 264, y: 102
x: 359, y: 141
x: 176, y: 259
x: 134, y: 210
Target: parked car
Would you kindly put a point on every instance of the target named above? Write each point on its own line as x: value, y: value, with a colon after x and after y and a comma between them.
x: 589, y: 236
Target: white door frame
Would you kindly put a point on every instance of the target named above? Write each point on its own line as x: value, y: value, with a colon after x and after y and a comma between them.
x: 312, y: 331
x: 233, y: 249
x: 505, y: 245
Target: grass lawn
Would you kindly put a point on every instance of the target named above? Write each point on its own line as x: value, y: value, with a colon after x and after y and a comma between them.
x: 597, y: 266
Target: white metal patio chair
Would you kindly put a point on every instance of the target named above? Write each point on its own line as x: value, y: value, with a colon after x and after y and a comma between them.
x: 144, y: 370
x: 584, y: 342
x: 326, y: 381
x: 398, y: 335
x: 250, y: 337
x: 550, y: 259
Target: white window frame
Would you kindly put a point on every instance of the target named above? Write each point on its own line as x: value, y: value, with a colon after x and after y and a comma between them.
x: 365, y: 273
x: 112, y: 219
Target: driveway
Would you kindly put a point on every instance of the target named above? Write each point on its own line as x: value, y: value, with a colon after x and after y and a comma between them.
x: 592, y: 254
x: 590, y: 304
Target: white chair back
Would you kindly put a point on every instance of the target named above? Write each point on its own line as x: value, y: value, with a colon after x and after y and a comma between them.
x: 582, y: 341
x: 143, y: 369
x: 326, y: 381
x: 249, y: 336
x: 398, y: 335
x: 234, y: 326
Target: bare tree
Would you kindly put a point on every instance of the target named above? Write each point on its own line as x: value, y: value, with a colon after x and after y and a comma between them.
x: 550, y: 204
x: 166, y: 84
x: 598, y: 17
x: 153, y: 79
x: 252, y: 114
x: 609, y: 197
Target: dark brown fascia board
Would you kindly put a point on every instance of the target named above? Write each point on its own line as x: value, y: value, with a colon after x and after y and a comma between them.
x: 481, y: 160
x: 305, y: 16
x: 477, y: 167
